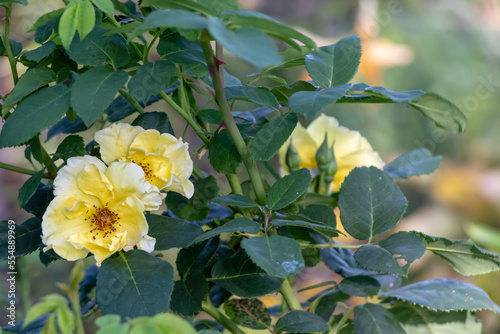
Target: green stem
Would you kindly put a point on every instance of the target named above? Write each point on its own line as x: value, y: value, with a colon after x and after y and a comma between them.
x: 132, y: 101
x: 75, y: 303
x: 340, y: 324
x: 232, y: 129
x: 221, y: 318
x: 24, y: 170
x: 145, y: 58
x: 196, y: 127
x: 117, y: 24
x: 289, y: 295
x: 321, y: 183
x: 234, y: 182
x: 24, y: 282
x: 6, y: 40
x: 331, y: 245
x: 49, y: 164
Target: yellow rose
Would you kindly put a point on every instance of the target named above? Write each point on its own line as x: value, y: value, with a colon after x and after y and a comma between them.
x: 350, y: 148
x: 164, y: 158
x: 99, y: 209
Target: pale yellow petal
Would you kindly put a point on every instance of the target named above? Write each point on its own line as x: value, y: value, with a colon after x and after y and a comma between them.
x: 92, y: 182
x: 115, y: 140
x: 323, y: 125
x: 146, y: 244
x: 305, y: 146
x: 102, y: 248
x: 66, y: 180
x: 150, y: 141
x: 131, y: 219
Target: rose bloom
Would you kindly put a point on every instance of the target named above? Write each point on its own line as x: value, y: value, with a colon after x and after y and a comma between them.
x: 99, y: 209
x: 164, y: 158
x: 349, y: 147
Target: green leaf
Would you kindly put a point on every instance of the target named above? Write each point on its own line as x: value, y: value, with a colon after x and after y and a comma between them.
x: 97, y: 49
x: 240, y: 224
x: 178, y: 49
x: 196, y: 257
x: 301, y: 322
x: 134, y: 284
x: 258, y: 95
x: 417, y: 320
x: 247, y: 43
x: 268, y: 25
x: 375, y: 319
x: 48, y: 305
x: 71, y: 146
x: 240, y: 276
x: 188, y: 294
x: 417, y: 162
x: 320, y: 213
x: 251, y: 313
x: 283, y: 93
x: 68, y: 22
x: 370, y: 202
x: 172, y: 18
x: 361, y: 286
x: 22, y: 2
x: 223, y: 154
x: 310, y: 103
x: 404, y: 246
x: 237, y: 200
x: 94, y: 90
x: 161, y: 323
x: 463, y: 255
x: 271, y: 136
x: 40, y: 53
x: 375, y: 258
x: 44, y: 31
x: 220, y: 5
x: 150, y: 79
x: 28, y: 82
x: 279, y: 256
x: 171, y: 232
x: 335, y: 64
x: 185, y: 4
x: 46, y: 106
x: 287, y: 189
x: 486, y: 235
x: 28, y: 236
x: 156, y: 120
x: 445, y: 294
x: 105, y: 5
x: 46, y: 17
x: 111, y: 324
x: 85, y: 20
x: 301, y: 223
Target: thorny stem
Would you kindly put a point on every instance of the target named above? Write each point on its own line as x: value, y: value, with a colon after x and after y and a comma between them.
x: 221, y: 318
x: 232, y: 129
x: 132, y: 101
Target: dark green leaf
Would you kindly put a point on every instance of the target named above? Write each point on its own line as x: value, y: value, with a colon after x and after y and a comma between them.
x: 269, y: 25
x: 188, y: 294
x: 259, y: 95
x: 251, y: 313
x: 310, y: 103
x: 185, y: 4
x: 246, y: 42
x: 320, y: 213
x: 271, y: 136
x: 313, y: 198
x: 196, y: 257
x: 239, y: 275
x: 150, y: 79
x: 28, y: 237
x: 417, y: 162
x: 71, y: 146
x: 46, y: 17
x: 283, y: 93
x: 134, y: 284
x: 370, y: 202
x: 156, y: 120
x: 237, y: 200
x: 279, y: 256
x: 335, y: 64
x: 287, y: 189
x: 41, y: 52
x: 172, y: 18
x: 94, y: 90
x: 40, y: 200
x: 445, y: 294
x: 171, y: 232
x: 301, y: 223
x: 312, y: 257
x: 301, y: 322
x: 44, y: 31
x: 240, y: 224
x: 178, y: 49
x: 404, y: 246
x: 361, y: 286
x: 97, y: 49
x: 292, y: 57
x: 46, y: 106
x: 223, y: 154
x: 327, y: 304
x: 375, y: 319
x: 28, y: 82
x: 220, y: 5
x: 375, y: 258
x: 463, y: 255
x: 36, y: 149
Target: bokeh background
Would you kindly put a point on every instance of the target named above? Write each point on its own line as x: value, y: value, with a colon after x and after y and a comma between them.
x: 450, y: 47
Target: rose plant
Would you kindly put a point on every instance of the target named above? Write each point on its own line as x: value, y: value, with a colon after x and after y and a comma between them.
x: 243, y: 232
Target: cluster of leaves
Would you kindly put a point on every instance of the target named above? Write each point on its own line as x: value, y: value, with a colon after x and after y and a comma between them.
x: 93, y: 66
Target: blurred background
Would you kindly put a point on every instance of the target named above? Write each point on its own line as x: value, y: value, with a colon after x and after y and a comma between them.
x: 448, y: 47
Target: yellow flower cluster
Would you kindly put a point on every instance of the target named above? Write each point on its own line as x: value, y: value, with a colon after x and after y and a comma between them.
x: 350, y: 148
x: 99, y: 208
